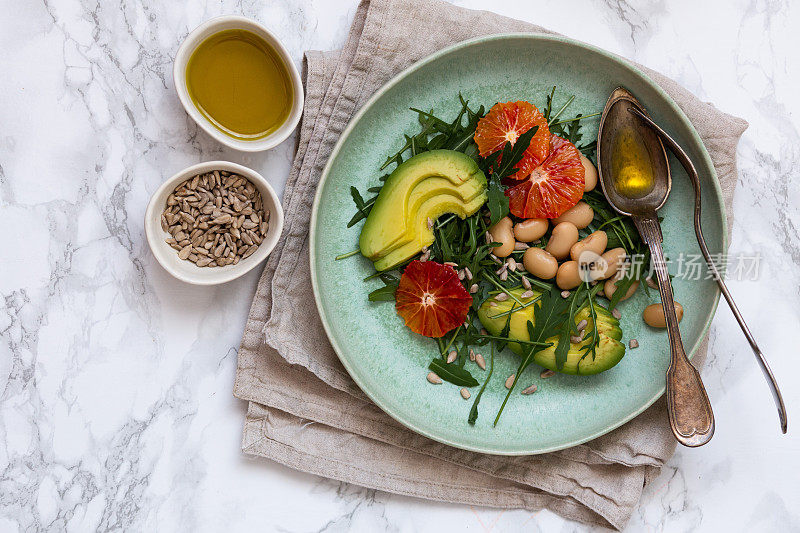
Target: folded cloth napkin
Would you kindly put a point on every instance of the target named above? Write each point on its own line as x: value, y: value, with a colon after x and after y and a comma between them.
x: 306, y: 412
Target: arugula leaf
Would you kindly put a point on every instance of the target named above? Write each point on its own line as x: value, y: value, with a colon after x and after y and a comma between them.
x: 473, y: 412
x: 363, y: 207
x: 453, y: 373
x: 548, y: 108
x: 513, y: 153
x: 384, y: 294
x: 387, y: 292
x: 497, y: 201
x: 568, y: 329
x: 548, y: 317
x: 623, y: 285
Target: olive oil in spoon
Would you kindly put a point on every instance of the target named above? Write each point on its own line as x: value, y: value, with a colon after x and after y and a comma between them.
x: 630, y: 164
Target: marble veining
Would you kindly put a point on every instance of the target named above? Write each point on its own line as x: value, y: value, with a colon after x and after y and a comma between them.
x: 116, y: 410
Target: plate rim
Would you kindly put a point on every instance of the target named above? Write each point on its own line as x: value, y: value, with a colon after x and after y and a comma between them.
x: 477, y: 41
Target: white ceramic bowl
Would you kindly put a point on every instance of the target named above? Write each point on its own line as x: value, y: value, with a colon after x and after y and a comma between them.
x: 231, y: 22
x: 186, y: 270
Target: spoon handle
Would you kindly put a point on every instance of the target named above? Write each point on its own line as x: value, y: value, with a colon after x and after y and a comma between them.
x: 690, y: 414
x: 686, y: 162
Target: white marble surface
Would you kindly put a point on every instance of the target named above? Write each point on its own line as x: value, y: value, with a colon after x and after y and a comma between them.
x: 115, y: 380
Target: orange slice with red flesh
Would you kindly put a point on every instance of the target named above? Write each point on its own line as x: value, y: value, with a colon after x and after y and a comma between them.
x: 505, y: 122
x: 431, y: 299
x: 552, y: 187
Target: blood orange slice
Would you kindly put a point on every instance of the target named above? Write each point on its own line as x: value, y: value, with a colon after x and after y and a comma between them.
x: 552, y: 187
x: 431, y: 299
x: 505, y: 122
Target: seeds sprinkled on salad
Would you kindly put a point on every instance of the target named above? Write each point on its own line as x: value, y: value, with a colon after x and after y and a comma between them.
x: 433, y: 378
x: 529, y: 390
x: 465, y: 393
x: 546, y: 373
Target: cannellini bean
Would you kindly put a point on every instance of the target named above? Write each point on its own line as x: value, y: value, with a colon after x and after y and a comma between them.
x: 653, y: 315
x: 568, y: 275
x: 610, y: 263
x: 502, y: 233
x: 596, y: 242
x: 581, y: 214
x: 540, y: 263
x: 589, y: 174
x: 564, y: 236
x: 531, y: 229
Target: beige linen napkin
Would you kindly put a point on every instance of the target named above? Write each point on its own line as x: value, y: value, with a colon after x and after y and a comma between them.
x: 306, y: 412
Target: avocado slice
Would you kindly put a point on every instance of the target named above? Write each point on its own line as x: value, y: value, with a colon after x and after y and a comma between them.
x: 422, y: 195
x: 423, y: 236
x: 609, y: 350
x: 427, y: 185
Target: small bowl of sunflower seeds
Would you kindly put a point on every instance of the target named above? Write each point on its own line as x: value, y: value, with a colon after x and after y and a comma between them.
x: 213, y: 222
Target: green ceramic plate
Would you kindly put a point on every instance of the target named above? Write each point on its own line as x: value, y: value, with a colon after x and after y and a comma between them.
x: 389, y: 362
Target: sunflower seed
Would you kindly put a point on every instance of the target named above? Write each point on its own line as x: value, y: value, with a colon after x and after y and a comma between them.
x: 526, y: 283
x: 434, y: 378
x: 452, y: 356
x: 581, y: 325
x: 565, y: 294
x: 222, y: 219
x: 510, y: 381
x: 465, y: 393
x: 527, y: 294
x: 616, y: 313
x: 512, y: 265
x: 471, y: 354
x: 529, y: 390
x: 468, y: 273
x: 576, y: 339
x: 546, y: 373
x: 461, y: 275
x: 504, y: 275
x: 450, y: 264
x: 633, y: 343
x: 502, y: 297
x: 474, y: 288
x: 185, y: 251
x: 521, y: 246
x: 480, y: 361
x: 219, y: 215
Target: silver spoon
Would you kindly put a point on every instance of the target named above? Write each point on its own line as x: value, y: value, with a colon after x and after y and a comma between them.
x: 635, y: 177
x: 684, y: 160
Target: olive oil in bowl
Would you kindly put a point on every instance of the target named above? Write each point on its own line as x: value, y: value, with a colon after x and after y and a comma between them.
x: 240, y: 84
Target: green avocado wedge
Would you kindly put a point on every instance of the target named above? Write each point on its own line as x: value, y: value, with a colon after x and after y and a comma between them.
x: 609, y: 350
x: 422, y: 188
